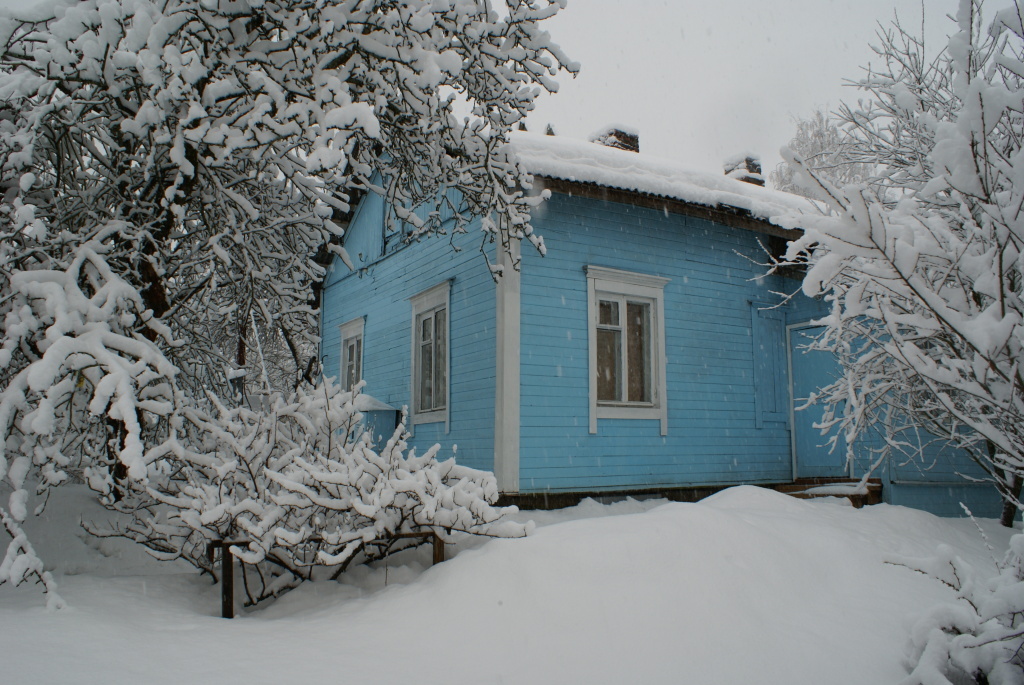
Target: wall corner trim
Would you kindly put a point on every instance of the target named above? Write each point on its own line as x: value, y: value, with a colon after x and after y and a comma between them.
x: 506, y: 376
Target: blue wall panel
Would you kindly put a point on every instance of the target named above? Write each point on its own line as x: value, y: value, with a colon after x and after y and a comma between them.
x: 364, y: 239
x: 927, y: 474
x: 727, y: 372
x: 802, y: 309
x: 945, y: 500
x: 380, y: 291
x: 712, y: 434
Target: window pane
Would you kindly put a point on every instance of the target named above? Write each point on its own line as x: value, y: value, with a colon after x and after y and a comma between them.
x: 609, y: 352
x: 357, y: 361
x: 425, y: 324
x: 638, y: 357
x: 426, y: 380
x: 347, y: 363
x: 440, y: 358
x: 609, y: 313
x: 347, y: 380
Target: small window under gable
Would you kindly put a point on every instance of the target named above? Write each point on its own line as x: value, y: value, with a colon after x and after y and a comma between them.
x: 627, y: 346
x: 351, y: 353
x: 430, y: 360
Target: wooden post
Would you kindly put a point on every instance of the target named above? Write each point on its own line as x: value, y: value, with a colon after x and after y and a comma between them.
x: 227, y: 564
x: 227, y: 582
x: 438, y: 549
x: 435, y: 539
x: 227, y: 574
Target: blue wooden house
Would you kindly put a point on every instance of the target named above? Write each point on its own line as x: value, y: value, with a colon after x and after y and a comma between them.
x: 641, y: 354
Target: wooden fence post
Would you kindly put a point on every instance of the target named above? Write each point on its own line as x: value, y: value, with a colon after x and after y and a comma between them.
x: 227, y: 565
x: 227, y: 573
x: 438, y: 548
x: 227, y: 582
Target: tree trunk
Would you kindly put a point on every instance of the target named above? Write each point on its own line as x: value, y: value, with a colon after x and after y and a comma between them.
x: 116, y: 434
x: 1010, y: 503
x: 238, y: 384
x: 1013, y: 481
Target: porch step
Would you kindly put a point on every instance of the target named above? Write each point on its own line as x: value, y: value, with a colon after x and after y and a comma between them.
x: 850, y: 488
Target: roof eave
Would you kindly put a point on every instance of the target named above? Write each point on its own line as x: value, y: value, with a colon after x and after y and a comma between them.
x: 722, y: 214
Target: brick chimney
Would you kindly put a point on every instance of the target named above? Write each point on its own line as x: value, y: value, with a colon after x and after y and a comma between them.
x: 745, y: 167
x: 617, y: 136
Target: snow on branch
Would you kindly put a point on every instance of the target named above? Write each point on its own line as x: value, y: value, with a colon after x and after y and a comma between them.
x: 305, y: 489
x: 921, y: 263
x: 176, y: 178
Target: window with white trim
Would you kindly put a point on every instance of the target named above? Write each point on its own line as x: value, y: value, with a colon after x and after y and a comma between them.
x: 351, y: 353
x: 430, y: 355
x: 627, y: 346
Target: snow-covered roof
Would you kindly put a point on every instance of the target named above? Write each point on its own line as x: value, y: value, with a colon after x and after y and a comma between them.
x: 577, y: 160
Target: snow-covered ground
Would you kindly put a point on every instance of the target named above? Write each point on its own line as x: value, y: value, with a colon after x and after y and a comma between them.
x: 748, y: 586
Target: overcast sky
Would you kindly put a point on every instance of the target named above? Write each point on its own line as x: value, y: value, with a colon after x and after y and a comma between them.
x: 703, y: 80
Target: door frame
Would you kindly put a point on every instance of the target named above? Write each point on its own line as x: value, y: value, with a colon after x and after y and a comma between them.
x: 792, y: 395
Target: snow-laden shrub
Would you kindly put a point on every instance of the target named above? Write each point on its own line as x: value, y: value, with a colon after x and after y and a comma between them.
x: 299, y: 486
x: 297, y: 480
x: 979, y: 638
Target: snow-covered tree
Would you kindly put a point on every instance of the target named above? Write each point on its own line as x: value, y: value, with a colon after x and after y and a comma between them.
x: 174, y: 175
x: 823, y: 145
x: 922, y: 264
x: 301, y: 482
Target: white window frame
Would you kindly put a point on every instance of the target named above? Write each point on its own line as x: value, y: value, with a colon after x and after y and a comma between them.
x: 351, y: 330
x: 615, y: 284
x: 430, y: 300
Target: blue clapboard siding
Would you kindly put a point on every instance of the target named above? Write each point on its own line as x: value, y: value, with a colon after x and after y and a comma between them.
x: 364, y: 241
x: 945, y: 499
x: 802, y: 309
x: 937, y: 479
x: 713, y: 436
x: 380, y: 291
x: 727, y: 365
x: 771, y: 392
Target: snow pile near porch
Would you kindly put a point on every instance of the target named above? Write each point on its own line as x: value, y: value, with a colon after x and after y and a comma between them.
x: 748, y: 586
x: 579, y: 160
